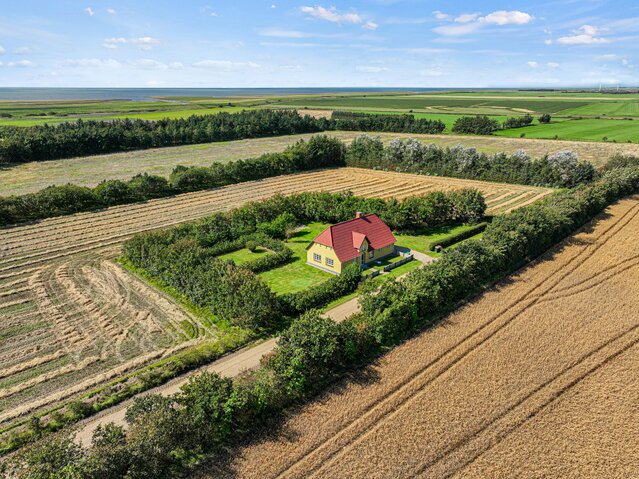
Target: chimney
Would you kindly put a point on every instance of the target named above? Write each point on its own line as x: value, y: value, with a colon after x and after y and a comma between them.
x: 359, y: 214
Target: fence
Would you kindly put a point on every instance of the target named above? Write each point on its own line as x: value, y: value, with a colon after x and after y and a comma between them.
x: 396, y: 264
x: 373, y: 274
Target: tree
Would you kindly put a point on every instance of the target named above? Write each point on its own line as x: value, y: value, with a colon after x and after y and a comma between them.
x: 477, y: 125
x: 57, y: 457
x: 205, y: 400
x: 545, y: 118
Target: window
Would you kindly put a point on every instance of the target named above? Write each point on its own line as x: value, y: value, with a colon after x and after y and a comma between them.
x: 329, y: 262
x: 317, y: 257
x: 371, y: 253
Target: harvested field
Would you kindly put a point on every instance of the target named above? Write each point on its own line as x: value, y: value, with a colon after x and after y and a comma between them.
x: 72, y: 318
x: 89, y: 171
x: 536, y: 378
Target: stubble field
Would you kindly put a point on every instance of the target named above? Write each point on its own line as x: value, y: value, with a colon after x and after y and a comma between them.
x: 536, y: 378
x: 89, y: 171
x: 73, y: 318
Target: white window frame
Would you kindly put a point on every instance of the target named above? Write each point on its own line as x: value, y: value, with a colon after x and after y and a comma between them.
x: 329, y: 262
x: 371, y: 253
x: 317, y: 258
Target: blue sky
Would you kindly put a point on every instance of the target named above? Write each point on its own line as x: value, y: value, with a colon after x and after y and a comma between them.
x: 375, y: 43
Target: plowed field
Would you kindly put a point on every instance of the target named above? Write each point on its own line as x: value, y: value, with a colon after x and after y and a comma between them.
x: 72, y: 318
x: 536, y: 378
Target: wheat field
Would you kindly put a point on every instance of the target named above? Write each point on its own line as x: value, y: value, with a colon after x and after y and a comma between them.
x: 535, y: 378
x: 72, y: 318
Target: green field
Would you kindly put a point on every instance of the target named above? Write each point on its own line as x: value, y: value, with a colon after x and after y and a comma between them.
x: 446, y: 106
x: 586, y: 129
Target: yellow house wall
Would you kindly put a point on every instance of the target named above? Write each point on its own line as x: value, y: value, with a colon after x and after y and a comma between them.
x: 324, y: 252
x: 328, y: 252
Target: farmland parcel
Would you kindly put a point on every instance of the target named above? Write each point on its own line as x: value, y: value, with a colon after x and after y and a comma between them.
x: 74, y: 319
x: 533, y: 379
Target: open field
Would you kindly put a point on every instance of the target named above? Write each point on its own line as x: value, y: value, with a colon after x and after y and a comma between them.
x: 535, y: 378
x: 90, y: 170
x: 72, y: 318
x: 584, y: 129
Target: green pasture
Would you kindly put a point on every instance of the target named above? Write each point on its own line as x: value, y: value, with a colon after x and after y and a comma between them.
x: 584, y: 129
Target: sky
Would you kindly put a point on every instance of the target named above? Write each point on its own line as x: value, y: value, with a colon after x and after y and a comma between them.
x: 282, y: 43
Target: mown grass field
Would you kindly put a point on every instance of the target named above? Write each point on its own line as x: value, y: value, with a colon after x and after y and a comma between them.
x: 542, y: 369
x: 586, y: 129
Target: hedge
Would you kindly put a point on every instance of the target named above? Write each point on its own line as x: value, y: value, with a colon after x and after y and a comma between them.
x: 454, y: 238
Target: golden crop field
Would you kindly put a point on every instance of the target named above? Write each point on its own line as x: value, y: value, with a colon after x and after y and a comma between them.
x: 73, y: 318
x: 536, y: 378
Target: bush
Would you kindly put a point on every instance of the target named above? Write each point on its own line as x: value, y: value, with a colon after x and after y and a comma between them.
x: 356, y: 121
x: 518, y: 121
x: 114, y: 192
x: 545, y: 118
x: 457, y: 237
x: 413, y: 156
x: 475, y: 125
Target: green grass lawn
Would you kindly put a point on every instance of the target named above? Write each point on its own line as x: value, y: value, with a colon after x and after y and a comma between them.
x: 421, y: 242
x: 587, y: 129
x: 244, y: 255
x: 297, y: 275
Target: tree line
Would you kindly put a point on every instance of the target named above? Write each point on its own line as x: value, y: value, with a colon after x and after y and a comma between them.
x: 169, y: 435
x: 562, y: 169
x: 92, y: 137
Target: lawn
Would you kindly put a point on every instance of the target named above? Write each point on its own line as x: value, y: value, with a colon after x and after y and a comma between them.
x: 297, y: 275
x: 586, y: 129
x: 421, y: 242
x: 244, y: 255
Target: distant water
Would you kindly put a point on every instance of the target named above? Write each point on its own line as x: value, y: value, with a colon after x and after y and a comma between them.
x: 146, y: 94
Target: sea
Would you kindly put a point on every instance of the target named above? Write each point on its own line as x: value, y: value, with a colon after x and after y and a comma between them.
x: 148, y: 94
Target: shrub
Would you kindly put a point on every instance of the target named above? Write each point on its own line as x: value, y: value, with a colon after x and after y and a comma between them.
x: 545, y: 118
x: 518, y: 121
x: 475, y: 125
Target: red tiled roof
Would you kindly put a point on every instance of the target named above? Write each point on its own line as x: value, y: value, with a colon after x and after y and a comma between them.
x: 346, y: 237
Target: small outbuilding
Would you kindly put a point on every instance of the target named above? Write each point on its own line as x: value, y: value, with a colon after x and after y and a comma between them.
x: 362, y: 240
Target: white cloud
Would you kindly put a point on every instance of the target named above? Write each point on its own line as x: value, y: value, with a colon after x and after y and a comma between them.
x: 92, y: 63
x: 89, y: 11
x: 22, y: 64
x: 504, y: 17
x: 143, y: 43
x: 608, y: 57
x: 332, y: 14
x: 148, y: 64
x: 466, y: 17
x: 113, y: 42
x: 225, y: 65
x: 111, y: 11
x: 552, y: 65
x: 280, y: 33
x: 584, y: 35
x: 455, y: 30
x: 467, y: 23
x: 441, y: 15
x: 533, y: 64
x: 22, y: 50
x: 370, y: 25
x: 2, y: 50
x: 370, y: 69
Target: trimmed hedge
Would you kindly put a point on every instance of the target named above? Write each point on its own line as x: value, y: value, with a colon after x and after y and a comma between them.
x: 455, y: 238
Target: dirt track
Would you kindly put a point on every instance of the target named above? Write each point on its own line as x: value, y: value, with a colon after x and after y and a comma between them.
x: 536, y: 378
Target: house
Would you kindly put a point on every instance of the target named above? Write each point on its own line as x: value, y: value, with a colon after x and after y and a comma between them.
x: 362, y: 240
